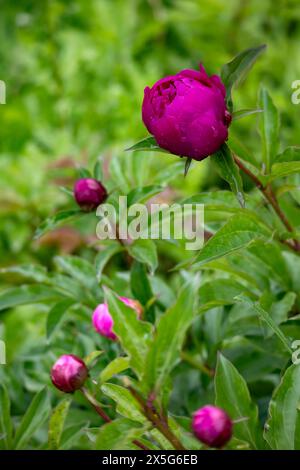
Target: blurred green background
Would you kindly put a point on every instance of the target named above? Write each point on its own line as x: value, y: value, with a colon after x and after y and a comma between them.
x: 75, y: 71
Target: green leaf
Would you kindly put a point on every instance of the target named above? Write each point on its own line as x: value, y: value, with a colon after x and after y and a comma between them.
x: 149, y: 143
x: 290, y: 154
x: 240, y: 230
x: 169, y: 336
x: 141, y: 289
x: 56, y: 423
x: 234, y: 71
x: 114, y: 367
x: 78, y: 268
x: 56, y: 314
x: 32, y: 272
x: 104, y: 256
x: 34, y: 417
x: 219, y: 292
x: 264, y: 315
x: 187, y: 165
x: 127, y: 405
x: 271, y: 256
x: 281, y: 308
x: 229, y: 171
x: 134, y: 334
x: 6, y: 426
x: 144, y: 251
x: 98, y: 173
x: 56, y: 221
x: 281, y: 425
x: 92, y: 357
x: 118, y: 435
x: 168, y: 174
x: 238, y: 148
x: 84, y: 172
x: 27, y: 295
x: 220, y: 201
x: 280, y: 170
x: 233, y: 396
x: 141, y: 195
x: 269, y: 126
x: 241, y: 113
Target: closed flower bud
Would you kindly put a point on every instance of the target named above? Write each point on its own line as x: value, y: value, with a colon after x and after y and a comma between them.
x: 103, y: 321
x: 212, y: 426
x: 89, y: 193
x: 187, y: 114
x: 69, y: 373
x: 134, y: 304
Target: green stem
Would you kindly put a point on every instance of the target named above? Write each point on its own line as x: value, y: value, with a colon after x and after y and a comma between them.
x: 97, y: 407
x: 157, y: 420
x: 270, y: 196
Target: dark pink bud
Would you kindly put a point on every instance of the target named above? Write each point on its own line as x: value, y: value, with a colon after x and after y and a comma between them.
x: 212, y: 426
x: 69, y: 373
x: 103, y: 321
x: 89, y: 193
x: 187, y: 114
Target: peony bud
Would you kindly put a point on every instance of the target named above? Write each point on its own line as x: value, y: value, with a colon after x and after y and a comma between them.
x: 89, y: 193
x: 212, y: 426
x: 134, y: 304
x: 69, y: 373
x: 103, y: 321
x: 187, y: 114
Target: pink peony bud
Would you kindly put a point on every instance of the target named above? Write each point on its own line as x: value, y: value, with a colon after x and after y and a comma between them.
x: 89, y: 193
x: 69, y: 373
x: 134, y: 304
x: 187, y: 114
x: 212, y: 426
x: 103, y: 321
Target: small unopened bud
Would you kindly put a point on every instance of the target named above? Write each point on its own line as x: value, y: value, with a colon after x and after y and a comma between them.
x: 103, y: 321
x: 134, y: 304
x: 89, y: 193
x: 212, y: 426
x: 69, y: 373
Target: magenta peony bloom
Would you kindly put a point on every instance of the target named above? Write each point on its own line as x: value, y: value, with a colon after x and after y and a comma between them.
x: 69, y: 373
x: 212, y: 426
x: 187, y: 114
x: 89, y: 193
x: 103, y: 321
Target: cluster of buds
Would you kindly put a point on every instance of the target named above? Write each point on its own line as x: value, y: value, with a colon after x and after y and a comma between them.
x: 187, y: 115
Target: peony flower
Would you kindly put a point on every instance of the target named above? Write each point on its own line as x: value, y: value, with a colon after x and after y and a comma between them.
x: 69, y: 373
x: 187, y: 114
x: 103, y: 321
x: 212, y: 426
x: 89, y: 193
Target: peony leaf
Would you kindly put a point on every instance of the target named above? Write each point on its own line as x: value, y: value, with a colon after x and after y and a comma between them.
x: 281, y: 426
x: 149, y: 143
x: 233, y: 396
x: 56, y: 221
x: 229, y: 172
x: 234, y: 71
x: 269, y: 128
